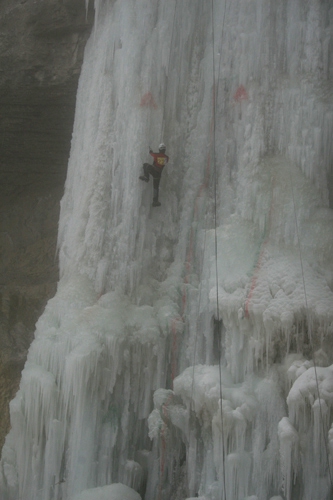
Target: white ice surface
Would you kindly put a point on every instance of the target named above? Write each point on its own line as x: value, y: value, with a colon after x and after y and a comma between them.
x: 112, y: 492
x: 122, y: 382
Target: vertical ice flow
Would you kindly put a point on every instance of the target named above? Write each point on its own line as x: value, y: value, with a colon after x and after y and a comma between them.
x: 122, y: 382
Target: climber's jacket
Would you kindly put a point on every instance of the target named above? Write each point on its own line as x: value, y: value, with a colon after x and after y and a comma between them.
x: 160, y: 160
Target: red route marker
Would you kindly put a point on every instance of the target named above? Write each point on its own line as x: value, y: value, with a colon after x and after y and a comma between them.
x: 241, y: 94
x: 148, y: 101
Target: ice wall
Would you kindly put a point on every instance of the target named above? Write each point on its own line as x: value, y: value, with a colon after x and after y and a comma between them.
x: 126, y: 381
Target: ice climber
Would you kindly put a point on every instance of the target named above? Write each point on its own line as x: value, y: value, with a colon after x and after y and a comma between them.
x: 155, y: 170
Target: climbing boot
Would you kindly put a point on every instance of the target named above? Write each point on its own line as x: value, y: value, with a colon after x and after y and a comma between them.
x: 156, y: 203
x: 144, y: 178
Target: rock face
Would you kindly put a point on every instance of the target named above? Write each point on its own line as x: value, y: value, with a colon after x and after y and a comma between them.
x: 41, y: 51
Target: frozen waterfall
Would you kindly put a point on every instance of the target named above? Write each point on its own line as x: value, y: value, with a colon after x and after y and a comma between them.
x: 121, y: 397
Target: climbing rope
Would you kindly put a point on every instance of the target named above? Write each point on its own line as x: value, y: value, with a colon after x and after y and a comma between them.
x: 310, y: 334
x: 167, y: 74
x: 215, y: 234
x: 190, y: 250
x: 174, y: 322
x: 205, y: 183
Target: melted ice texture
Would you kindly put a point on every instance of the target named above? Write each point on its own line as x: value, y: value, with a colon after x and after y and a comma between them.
x: 120, y: 396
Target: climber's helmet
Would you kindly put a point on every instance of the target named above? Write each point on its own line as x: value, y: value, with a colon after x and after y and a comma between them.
x: 162, y: 148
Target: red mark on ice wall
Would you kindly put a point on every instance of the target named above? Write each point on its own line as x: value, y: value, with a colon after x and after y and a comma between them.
x: 241, y: 94
x: 148, y: 101
x: 254, y: 281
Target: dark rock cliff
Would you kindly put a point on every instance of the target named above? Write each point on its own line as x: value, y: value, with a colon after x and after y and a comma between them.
x: 41, y: 51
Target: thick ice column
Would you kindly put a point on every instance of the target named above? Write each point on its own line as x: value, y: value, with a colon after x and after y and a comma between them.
x: 242, y: 459
x: 304, y: 435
